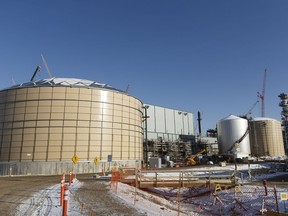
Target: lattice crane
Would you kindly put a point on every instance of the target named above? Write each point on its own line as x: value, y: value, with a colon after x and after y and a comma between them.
x: 262, y: 94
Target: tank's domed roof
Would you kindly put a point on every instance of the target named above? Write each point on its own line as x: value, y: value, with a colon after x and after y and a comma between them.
x: 71, y: 82
x: 263, y: 119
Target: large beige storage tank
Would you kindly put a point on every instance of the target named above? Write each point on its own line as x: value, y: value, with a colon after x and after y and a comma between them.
x: 52, y: 120
x: 229, y: 130
x: 266, y: 137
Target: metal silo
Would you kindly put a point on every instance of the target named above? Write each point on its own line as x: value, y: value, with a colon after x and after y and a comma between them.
x: 266, y: 137
x: 230, y: 130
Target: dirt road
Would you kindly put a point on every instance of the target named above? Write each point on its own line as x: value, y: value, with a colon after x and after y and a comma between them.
x: 14, y: 190
x: 94, y: 195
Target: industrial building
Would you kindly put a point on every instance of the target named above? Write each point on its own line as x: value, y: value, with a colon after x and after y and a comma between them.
x: 168, y: 123
x: 58, y: 119
x: 284, y: 117
x: 169, y: 133
x: 53, y: 125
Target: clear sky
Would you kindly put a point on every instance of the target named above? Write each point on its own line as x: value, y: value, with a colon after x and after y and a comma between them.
x: 192, y: 55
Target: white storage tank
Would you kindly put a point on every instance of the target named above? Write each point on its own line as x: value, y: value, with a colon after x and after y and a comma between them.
x: 266, y: 137
x: 231, y: 129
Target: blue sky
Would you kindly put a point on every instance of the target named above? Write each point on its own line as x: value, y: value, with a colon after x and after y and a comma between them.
x: 204, y: 55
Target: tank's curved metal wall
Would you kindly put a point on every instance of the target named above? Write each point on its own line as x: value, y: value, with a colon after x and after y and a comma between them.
x: 230, y: 129
x: 266, y: 137
x: 54, y: 123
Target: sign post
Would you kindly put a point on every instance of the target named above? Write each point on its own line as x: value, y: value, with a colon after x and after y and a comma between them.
x: 284, y: 198
x: 75, y: 159
x: 109, y: 160
x: 96, y: 160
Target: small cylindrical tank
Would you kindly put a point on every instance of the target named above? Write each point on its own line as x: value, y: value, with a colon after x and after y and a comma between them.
x: 230, y: 130
x: 266, y: 137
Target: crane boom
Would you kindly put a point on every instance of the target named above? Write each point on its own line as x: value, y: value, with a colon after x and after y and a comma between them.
x: 36, y: 71
x: 191, y: 160
x: 249, y: 112
x: 262, y: 94
x: 46, y: 66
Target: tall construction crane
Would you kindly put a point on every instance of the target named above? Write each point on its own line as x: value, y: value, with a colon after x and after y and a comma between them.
x: 249, y: 112
x: 262, y: 94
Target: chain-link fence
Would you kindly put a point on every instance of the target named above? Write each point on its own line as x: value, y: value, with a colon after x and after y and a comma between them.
x: 238, y: 200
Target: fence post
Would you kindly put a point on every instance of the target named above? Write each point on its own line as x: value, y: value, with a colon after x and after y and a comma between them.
x: 276, y: 198
x: 65, y: 200
x: 103, y: 173
x: 178, y: 194
x: 136, y: 184
x: 249, y: 171
x: 70, y: 178
x: 265, y: 187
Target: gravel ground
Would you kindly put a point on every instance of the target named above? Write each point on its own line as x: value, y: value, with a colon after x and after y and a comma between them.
x: 14, y: 190
x: 99, y: 201
x: 94, y: 196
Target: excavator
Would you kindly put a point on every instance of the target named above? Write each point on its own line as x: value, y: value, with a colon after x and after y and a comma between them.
x: 191, y: 160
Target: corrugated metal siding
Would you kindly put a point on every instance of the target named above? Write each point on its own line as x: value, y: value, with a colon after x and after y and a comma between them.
x: 168, y: 123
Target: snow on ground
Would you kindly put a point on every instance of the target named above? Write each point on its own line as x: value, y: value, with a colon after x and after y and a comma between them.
x: 148, y: 203
x: 193, y: 202
x: 47, y: 202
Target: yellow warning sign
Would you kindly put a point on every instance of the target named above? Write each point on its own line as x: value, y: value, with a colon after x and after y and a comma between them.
x: 75, y: 159
x: 283, y: 196
x: 96, y: 160
x: 218, y: 188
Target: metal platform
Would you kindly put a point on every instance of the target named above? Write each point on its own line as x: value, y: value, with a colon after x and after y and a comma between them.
x: 179, y: 178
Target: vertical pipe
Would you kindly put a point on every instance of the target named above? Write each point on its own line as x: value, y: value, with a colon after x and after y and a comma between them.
x: 199, y: 123
x: 146, y: 134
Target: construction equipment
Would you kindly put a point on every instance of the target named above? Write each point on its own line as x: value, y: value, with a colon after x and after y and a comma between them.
x: 249, y: 111
x: 127, y: 88
x: 46, y: 66
x: 262, y: 94
x: 34, y: 74
x: 191, y: 160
